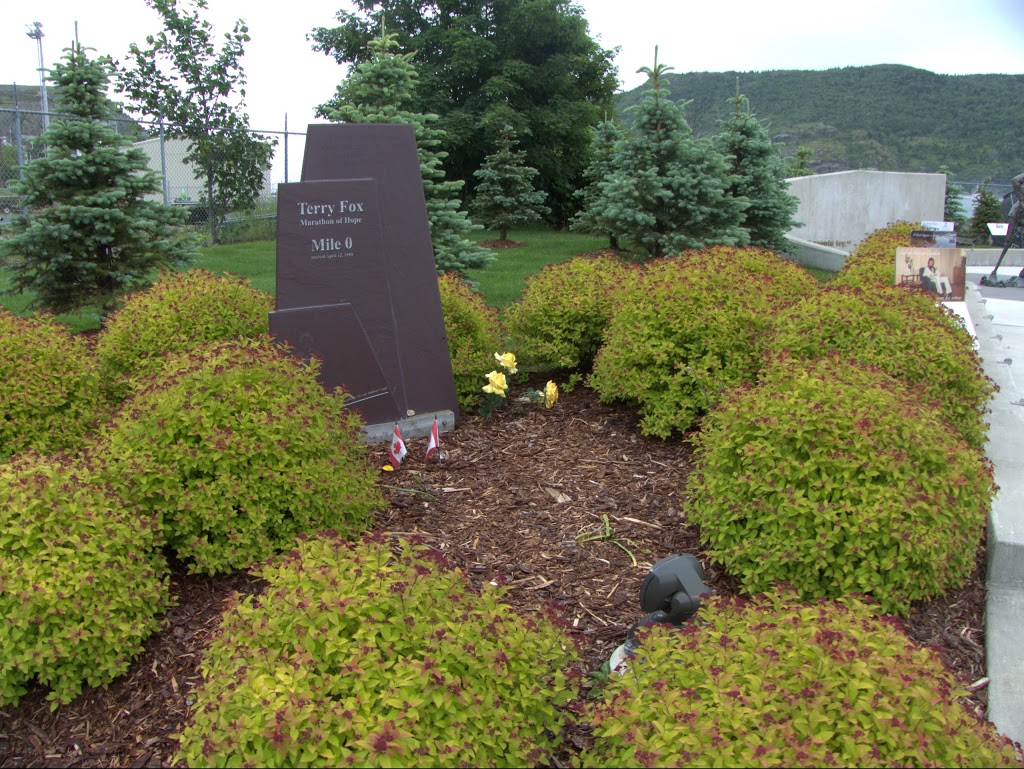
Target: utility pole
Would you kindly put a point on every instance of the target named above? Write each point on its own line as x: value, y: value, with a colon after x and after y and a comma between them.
x: 36, y: 33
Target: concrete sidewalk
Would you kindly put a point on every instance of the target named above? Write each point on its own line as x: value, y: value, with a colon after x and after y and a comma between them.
x: 997, y: 315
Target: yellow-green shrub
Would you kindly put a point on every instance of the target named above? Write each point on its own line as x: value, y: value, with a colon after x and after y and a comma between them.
x: 179, y: 311
x: 560, y: 320
x: 907, y: 334
x: 242, y: 450
x: 356, y: 656
x: 49, y: 386
x: 838, y: 479
x: 81, y: 578
x: 691, y: 326
x: 873, y: 262
x: 777, y: 683
x: 474, y: 335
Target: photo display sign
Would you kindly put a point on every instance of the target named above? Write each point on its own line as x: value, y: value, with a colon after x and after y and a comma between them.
x: 934, y: 235
x: 356, y: 283
x: 940, y: 271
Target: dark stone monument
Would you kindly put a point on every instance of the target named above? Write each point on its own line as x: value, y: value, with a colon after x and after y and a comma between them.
x: 356, y: 284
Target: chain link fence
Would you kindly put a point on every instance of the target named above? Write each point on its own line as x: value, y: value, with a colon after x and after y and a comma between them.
x: 21, y: 141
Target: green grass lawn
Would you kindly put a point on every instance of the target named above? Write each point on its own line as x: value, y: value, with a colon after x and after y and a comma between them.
x: 86, y: 320
x: 501, y: 283
x: 255, y: 261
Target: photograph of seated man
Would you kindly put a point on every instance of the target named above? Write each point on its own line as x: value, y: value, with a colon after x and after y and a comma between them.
x: 934, y: 281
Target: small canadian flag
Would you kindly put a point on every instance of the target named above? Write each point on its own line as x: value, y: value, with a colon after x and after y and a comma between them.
x: 396, y: 451
x: 433, y: 443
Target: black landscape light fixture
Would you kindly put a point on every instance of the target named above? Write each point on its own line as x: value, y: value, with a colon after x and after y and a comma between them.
x: 670, y: 594
x: 671, y: 591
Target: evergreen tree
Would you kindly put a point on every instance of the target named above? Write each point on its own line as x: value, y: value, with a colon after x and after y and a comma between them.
x: 505, y: 196
x: 759, y: 176
x: 90, y: 234
x: 668, y: 191
x: 380, y: 91
x: 953, y: 210
x: 800, y: 163
x: 604, y: 137
x: 986, y: 209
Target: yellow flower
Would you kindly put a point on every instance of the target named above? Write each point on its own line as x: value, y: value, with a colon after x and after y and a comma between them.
x: 496, y: 384
x: 507, y: 361
x: 388, y: 469
x: 550, y: 394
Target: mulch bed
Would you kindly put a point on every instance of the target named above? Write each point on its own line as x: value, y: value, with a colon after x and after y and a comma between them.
x: 571, y: 505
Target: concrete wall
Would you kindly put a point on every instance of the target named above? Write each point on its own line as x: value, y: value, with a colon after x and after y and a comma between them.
x: 987, y: 257
x: 842, y: 208
x: 808, y: 254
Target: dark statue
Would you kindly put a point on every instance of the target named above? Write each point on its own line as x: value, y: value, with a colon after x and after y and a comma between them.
x: 1015, y: 221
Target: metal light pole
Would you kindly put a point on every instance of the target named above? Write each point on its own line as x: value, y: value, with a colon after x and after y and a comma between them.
x: 36, y: 33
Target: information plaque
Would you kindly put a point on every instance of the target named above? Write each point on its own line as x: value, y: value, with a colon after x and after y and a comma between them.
x: 356, y: 283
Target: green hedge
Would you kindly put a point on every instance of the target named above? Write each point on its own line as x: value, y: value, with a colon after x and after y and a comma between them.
x: 560, y: 320
x: 50, y: 393
x: 178, y: 312
x: 243, y: 450
x: 838, y: 479
x: 776, y: 683
x: 690, y: 327
x: 357, y: 656
x: 907, y: 334
x: 474, y: 336
x: 82, y: 579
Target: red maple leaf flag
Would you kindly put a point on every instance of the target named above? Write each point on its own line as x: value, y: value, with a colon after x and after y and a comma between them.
x: 433, y: 443
x: 396, y: 451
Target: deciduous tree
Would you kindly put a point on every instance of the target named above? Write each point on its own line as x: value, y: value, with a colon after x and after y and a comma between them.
x: 181, y: 78
x: 529, y: 63
x: 91, y: 232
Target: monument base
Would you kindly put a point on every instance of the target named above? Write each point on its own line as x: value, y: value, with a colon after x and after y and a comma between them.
x: 412, y: 427
x: 1017, y: 282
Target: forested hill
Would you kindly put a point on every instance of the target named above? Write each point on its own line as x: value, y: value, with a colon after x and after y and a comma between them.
x: 886, y: 117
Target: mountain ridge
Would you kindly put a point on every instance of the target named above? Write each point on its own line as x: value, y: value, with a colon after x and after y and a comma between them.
x: 888, y: 117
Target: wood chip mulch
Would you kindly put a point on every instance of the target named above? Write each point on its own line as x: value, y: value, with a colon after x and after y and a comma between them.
x: 569, y: 505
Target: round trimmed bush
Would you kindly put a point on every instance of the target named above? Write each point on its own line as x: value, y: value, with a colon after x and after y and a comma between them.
x: 873, y: 262
x: 777, y: 683
x: 179, y: 311
x: 474, y: 335
x: 81, y: 578
x: 907, y: 334
x: 49, y: 386
x: 838, y: 479
x: 560, y: 320
x: 356, y: 656
x: 689, y: 327
x: 242, y: 450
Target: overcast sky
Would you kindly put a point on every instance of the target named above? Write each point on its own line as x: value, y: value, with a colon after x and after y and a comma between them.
x: 286, y: 76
